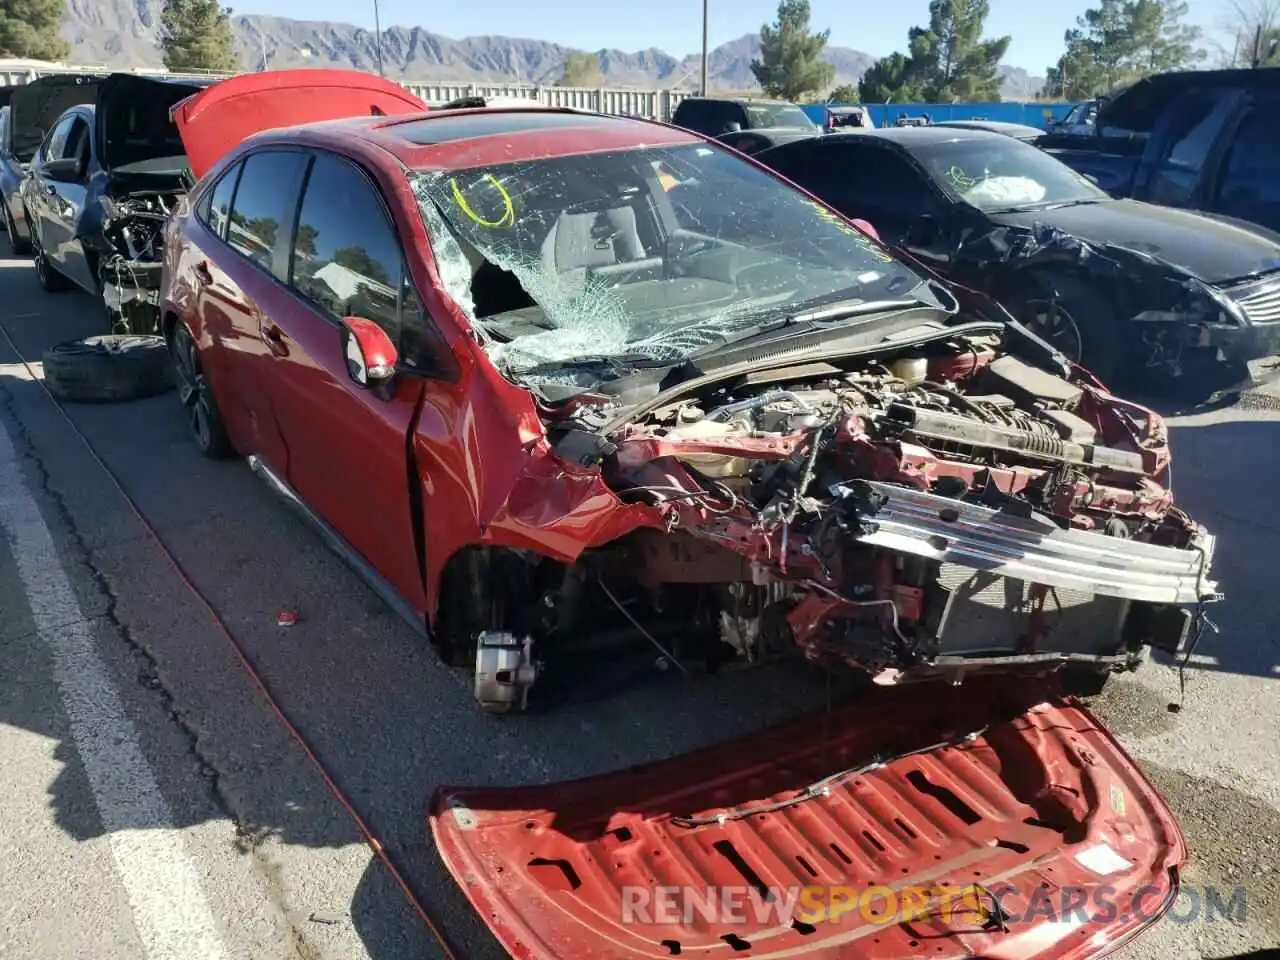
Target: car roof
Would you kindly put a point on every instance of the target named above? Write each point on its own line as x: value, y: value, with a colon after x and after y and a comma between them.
x: 910, y: 137
x: 781, y: 103
x: 996, y: 125
x: 457, y: 139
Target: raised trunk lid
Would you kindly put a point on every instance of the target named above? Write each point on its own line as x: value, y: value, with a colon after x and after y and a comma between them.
x: 35, y: 106
x: 132, y: 119
x: 1039, y: 805
x: 216, y: 120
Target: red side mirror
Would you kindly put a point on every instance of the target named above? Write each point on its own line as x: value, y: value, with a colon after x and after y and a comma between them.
x: 370, y: 354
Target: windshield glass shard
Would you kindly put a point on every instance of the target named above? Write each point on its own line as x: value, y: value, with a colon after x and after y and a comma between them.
x: 659, y: 251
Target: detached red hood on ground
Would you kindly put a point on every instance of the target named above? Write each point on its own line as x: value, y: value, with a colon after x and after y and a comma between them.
x: 1039, y: 808
x: 217, y: 119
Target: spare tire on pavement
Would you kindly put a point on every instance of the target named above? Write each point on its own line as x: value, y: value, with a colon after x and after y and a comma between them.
x: 108, y: 368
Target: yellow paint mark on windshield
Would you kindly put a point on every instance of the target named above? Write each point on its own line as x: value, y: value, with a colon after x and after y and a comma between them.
x: 852, y: 232
x: 961, y: 179
x: 508, y: 218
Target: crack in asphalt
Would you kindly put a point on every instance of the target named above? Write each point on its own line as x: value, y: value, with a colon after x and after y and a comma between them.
x: 248, y: 838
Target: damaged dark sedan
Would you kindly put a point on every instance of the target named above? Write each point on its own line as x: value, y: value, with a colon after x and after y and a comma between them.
x: 109, y: 173
x: 1121, y: 286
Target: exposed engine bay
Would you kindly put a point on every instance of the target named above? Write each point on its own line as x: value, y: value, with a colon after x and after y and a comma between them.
x: 130, y: 251
x: 920, y: 513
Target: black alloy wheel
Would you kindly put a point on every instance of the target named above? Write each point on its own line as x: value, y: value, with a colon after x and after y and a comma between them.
x: 1052, y: 322
x: 17, y: 246
x: 50, y: 280
x: 203, y: 416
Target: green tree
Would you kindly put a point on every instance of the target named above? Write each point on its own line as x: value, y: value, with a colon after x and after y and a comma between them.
x: 1120, y: 41
x: 29, y: 29
x: 581, y: 70
x: 1161, y: 41
x: 890, y: 79
x: 357, y: 260
x: 845, y: 93
x: 947, y: 60
x: 1252, y: 32
x: 262, y: 227
x: 196, y: 35
x: 1073, y: 77
x: 1104, y: 44
x: 790, y: 65
x: 305, y: 239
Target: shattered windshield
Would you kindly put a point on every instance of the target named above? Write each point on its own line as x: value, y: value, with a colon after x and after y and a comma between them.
x: 1004, y: 175
x: 653, y: 251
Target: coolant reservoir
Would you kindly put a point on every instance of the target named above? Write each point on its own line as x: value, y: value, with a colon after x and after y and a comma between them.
x: 719, y: 465
x: 911, y: 370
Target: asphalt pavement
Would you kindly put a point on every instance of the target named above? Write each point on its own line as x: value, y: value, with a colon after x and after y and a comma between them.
x: 152, y: 804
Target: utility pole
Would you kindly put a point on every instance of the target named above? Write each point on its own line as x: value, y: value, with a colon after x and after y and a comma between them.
x: 702, y: 86
x: 377, y: 37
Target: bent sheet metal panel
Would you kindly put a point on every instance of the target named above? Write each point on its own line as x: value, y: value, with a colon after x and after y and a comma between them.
x: 548, y: 867
x: 940, y: 528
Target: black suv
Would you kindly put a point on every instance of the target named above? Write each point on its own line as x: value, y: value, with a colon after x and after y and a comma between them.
x: 1204, y: 140
x: 744, y: 124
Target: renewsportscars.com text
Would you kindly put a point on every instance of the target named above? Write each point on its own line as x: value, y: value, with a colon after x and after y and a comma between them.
x: 674, y: 905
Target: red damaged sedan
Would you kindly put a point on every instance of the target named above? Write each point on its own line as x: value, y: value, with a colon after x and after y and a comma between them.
x: 538, y: 372
x: 556, y: 383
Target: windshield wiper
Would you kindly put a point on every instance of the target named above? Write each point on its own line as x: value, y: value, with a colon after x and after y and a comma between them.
x: 834, y: 314
x: 615, y: 362
x: 1049, y: 205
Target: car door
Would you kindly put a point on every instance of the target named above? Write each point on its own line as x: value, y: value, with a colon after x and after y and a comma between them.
x: 1246, y: 183
x: 66, y: 200
x: 238, y: 281
x: 47, y: 197
x: 347, y: 444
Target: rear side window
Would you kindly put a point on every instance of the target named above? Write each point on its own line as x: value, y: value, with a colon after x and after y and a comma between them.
x: 267, y: 189
x: 723, y: 114
x: 857, y: 178
x: 346, y: 258
x: 215, y: 209
x: 692, y: 115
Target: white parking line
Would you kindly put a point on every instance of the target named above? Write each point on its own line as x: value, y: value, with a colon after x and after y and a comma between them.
x: 170, y: 913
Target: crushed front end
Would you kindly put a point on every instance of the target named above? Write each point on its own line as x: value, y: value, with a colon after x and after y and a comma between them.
x: 736, y: 427
x: 920, y: 513
x: 128, y: 242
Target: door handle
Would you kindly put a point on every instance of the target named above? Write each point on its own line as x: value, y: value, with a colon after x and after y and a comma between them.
x: 274, y: 338
x: 202, y: 272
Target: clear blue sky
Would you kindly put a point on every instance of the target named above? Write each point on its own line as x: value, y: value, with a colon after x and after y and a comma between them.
x: 875, y: 26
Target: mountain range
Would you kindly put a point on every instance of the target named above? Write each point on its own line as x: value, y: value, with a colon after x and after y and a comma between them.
x: 123, y: 33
